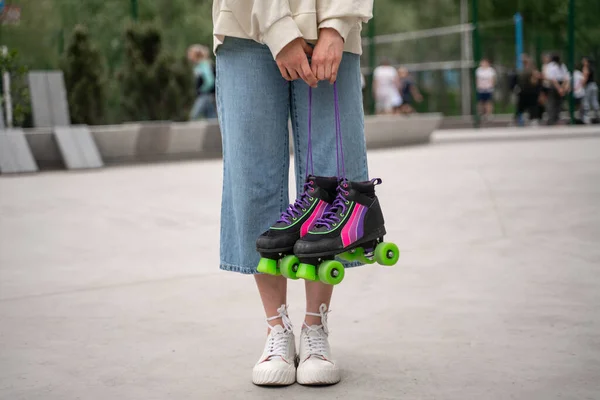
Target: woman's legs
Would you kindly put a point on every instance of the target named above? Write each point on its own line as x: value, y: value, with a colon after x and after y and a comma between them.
x: 273, y: 293
x: 324, y: 145
x: 553, y: 105
x: 593, y: 99
x: 317, y: 293
x: 196, y: 109
x: 253, y: 110
x: 253, y: 102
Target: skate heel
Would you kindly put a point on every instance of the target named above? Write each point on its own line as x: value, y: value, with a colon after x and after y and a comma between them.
x: 268, y: 266
x: 307, y: 272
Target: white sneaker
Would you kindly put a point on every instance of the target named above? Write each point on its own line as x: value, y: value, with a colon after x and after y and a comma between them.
x: 316, y: 365
x: 277, y: 365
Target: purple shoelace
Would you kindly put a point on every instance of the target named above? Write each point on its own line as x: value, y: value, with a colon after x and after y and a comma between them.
x: 300, y: 205
x: 337, y: 209
x: 303, y: 202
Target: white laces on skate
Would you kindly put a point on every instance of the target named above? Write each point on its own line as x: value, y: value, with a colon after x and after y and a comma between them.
x: 315, y: 337
x: 279, y: 336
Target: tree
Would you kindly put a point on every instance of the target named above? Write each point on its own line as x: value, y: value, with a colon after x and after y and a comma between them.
x: 84, y: 78
x: 154, y: 84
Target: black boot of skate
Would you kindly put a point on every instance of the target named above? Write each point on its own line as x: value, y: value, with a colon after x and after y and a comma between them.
x: 352, y: 228
x: 277, y: 244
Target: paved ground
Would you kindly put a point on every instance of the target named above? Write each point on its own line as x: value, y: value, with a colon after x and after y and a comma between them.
x: 109, y: 287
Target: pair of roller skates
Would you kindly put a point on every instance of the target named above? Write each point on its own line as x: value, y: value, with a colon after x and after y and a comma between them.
x: 332, y: 218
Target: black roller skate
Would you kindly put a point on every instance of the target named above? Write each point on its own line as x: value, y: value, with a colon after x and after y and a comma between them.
x: 352, y: 228
x: 276, y: 245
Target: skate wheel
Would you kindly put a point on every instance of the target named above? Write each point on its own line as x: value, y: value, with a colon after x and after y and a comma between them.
x: 307, y: 271
x: 331, y: 272
x: 268, y: 266
x: 387, y: 253
x: 289, y: 266
x: 360, y: 256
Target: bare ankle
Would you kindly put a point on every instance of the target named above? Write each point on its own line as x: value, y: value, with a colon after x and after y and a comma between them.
x: 312, y: 320
x: 273, y: 322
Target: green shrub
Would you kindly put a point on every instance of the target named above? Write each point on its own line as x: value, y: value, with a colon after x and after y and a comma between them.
x: 84, y: 78
x: 154, y: 84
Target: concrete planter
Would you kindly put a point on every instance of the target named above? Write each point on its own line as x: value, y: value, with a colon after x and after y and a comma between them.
x: 161, y: 141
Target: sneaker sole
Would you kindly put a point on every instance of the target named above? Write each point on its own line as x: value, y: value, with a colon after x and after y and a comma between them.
x: 274, y: 377
x: 316, y: 378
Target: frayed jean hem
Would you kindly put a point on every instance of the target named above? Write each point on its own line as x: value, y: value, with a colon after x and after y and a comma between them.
x: 253, y: 271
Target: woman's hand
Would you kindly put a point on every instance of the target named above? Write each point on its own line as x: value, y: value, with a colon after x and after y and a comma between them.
x: 293, y: 62
x: 327, y: 55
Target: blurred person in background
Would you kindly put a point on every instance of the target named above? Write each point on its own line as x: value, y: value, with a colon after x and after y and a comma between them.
x: 558, y: 77
x: 409, y: 92
x: 590, y: 100
x: 546, y: 58
x: 486, y: 83
x: 528, y: 87
x: 204, y: 75
x: 579, y: 91
x: 386, y: 83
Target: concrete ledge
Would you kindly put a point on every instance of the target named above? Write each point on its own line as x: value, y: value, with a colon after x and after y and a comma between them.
x: 164, y: 141
x: 466, y: 122
x: 515, y: 133
x: 399, y: 130
x: 44, y: 148
x: 117, y: 143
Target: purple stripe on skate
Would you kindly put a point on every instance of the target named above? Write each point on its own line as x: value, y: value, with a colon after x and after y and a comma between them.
x: 317, y: 213
x: 350, y: 231
x: 360, y: 225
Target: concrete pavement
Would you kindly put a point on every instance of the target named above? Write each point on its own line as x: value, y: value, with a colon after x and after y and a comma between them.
x: 109, y: 285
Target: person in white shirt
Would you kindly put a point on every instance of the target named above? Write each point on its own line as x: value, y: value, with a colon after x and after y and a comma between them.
x: 386, y: 83
x: 485, y: 82
x: 558, y: 77
x: 578, y: 89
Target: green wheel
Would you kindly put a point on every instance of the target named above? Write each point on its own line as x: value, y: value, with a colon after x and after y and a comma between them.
x: 360, y: 256
x: 289, y: 266
x: 349, y: 255
x: 387, y: 253
x: 331, y: 272
x: 307, y: 271
x: 268, y: 266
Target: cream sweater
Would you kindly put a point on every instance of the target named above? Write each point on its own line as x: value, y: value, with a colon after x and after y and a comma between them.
x: 278, y: 22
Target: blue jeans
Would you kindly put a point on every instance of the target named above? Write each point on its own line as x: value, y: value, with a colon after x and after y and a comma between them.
x: 254, y: 106
x: 590, y: 100
x: 204, y: 106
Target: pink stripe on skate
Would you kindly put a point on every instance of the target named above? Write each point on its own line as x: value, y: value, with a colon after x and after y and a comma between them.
x: 317, y: 213
x: 350, y: 231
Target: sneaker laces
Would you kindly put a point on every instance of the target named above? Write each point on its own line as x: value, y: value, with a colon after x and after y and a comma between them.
x: 338, y: 208
x: 317, y: 343
x: 300, y: 205
x: 277, y: 342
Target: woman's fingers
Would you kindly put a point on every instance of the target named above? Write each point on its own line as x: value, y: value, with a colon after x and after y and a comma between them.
x: 292, y: 73
x: 308, y: 50
x: 307, y: 74
x: 334, y: 72
x: 284, y: 72
x: 321, y: 71
x: 328, y: 66
x: 292, y: 62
